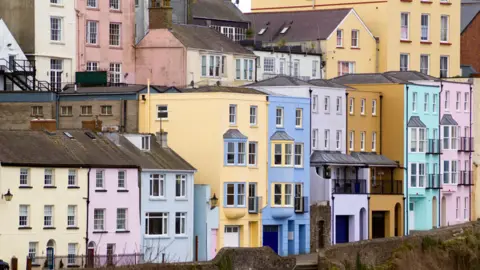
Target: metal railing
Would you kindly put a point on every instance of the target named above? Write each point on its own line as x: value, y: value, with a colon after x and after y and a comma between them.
x: 27, y: 78
x: 433, y: 146
x: 254, y: 204
x: 85, y: 261
x: 301, y: 204
x: 387, y: 187
x: 465, y: 178
x: 433, y: 181
x: 466, y: 144
x: 349, y: 186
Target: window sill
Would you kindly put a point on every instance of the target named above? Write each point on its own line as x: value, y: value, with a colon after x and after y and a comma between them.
x: 73, y: 266
x: 106, y: 114
x: 405, y: 41
x: 24, y: 228
x: 234, y: 206
x: 406, y: 1
x: 182, y: 236
x: 445, y: 43
x: 181, y: 199
x: 255, y: 167
x: 89, y: 45
x: 25, y: 187
x: 73, y: 187
x: 354, y: 48
x: 298, y: 167
x: 36, y: 115
x: 425, y: 42
x: 49, y: 187
x: 156, y: 236
x: 446, y: 3
x: 73, y: 228
x: 49, y: 228
x: 157, y: 199
x: 124, y: 231
x: 36, y: 265
x: 115, y: 10
x: 66, y: 115
x: 57, y: 5
x: 163, y: 120
x: 299, y: 128
x: 53, y: 42
x: 426, y: 2
x: 101, y: 190
x: 253, y: 126
x: 115, y: 47
x: 340, y: 47
x: 233, y: 125
x: 122, y: 190
x: 85, y: 115
x: 98, y: 232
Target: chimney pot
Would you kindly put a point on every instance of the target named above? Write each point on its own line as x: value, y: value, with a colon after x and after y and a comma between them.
x: 160, y: 14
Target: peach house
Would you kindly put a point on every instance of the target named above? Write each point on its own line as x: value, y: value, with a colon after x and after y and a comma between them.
x: 106, y: 38
x: 181, y: 55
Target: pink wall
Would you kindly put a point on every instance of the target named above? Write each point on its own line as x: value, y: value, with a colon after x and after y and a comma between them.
x: 102, y: 52
x: 110, y: 199
x: 162, y: 58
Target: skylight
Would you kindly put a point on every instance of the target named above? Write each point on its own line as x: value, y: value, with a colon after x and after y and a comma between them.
x: 284, y: 30
x: 68, y: 135
x: 262, y: 31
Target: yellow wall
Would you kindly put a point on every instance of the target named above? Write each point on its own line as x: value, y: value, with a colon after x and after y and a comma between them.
x: 196, y: 124
x: 15, y: 242
x: 387, y: 204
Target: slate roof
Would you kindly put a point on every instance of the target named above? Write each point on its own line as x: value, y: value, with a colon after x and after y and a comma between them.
x: 333, y: 158
x: 415, y: 122
x: 374, y: 159
x: 223, y: 10
x: 281, y: 136
x: 327, y: 83
x: 367, y: 78
x: 447, y: 120
x: 467, y: 70
x: 410, y: 75
x: 224, y: 89
x: 304, y: 25
x: 470, y: 9
x: 234, y: 134
x: 127, y: 89
x: 280, y: 80
x: 206, y: 38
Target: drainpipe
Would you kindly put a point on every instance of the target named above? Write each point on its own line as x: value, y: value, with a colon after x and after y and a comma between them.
x: 310, y: 136
x: 332, y: 223
x: 406, y: 213
x: 439, y: 156
x: 470, y: 159
x: 368, y: 219
x: 57, y: 107
x: 381, y: 118
x: 88, y: 210
x: 346, y: 121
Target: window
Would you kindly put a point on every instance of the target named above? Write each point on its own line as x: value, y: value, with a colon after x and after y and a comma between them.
x: 443, y: 66
x: 453, y: 130
x: 444, y: 25
x: 24, y: 216
x: 215, y: 63
x: 446, y: 171
x: 121, y: 179
x: 240, y: 194
x: 32, y: 251
x: 230, y: 194
x: 277, y: 196
x: 374, y: 141
x: 162, y: 112
x: 253, y: 115
x: 92, y: 3
x: 72, y: 253
x: 288, y: 195
x: 56, y: 2
x: 269, y: 65
x: 425, y: 102
x: 339, y: 38
x: 374, y: 107
x: 146, y: 142
x: 48, y: 177
x: 466, y: 102
x: 458, y: 100
x: 299, y: 118
x: 351, y: 106
x: 282, y: 66
x: 121, y: 219
x: 355, y: 34
x: 326, y: 143
x: 114, y: 39
x: 418, y: 140
x: 230, y: 153
x: 315, y: 103
x: 299, y: 155
x: 56, y: 71
x: 86, y: 110
x: 345, y: 68
x: 48, y: 216
x: 66, y: 111
x: 314, y: 138
x: 457, y: 208
x: 425, y: 63
x: 296, y: 68
x: 338, y: 139
x: 72, y: 216
x: 115, y: 73
x: 99, y: 219
x: 99, y: 183
x: 288, y: 154
x: 326, y: 104
x: 37, y: 111
x: 247, y: 66
x: 232, y: 118
x: 92, y: 32
x: 417, y: 174
x: 422, y: 140
x: 278, y: 154
x: 315, y: 64
x: 115, y: 4
x: 362, y: 141
x: 156, y: 223
x: 465, y: 209
x: 56, y: 28
x: 241, y: 153
x: 404, y: 61
x: 279, y: 117
x: 362, y: 106
x: 454, y: 172
x: 157, y: 185
x: 235, y: 194
x: 404, y: 26
x: 425, y: 33
x: 434, y: 103
x: 447, y: 100
x: 106, y: 110
x: 252, y: 153
x: 181, y: 186
x: 338, y: 106
x: 351, y: 140
x: 24, y: 179
x: 180, y: 223
x: 72, y: 178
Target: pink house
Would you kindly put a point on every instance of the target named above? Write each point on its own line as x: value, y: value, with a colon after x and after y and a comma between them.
x: 106, y: 38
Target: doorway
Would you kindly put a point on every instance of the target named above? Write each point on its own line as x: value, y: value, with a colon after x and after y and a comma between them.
x: 302, y: 234
x: 434, y: 212
x: 231, y: 236
x: 444, y: 211
x: 363, y: 224
x: 270, y: 237
x: 341, y: 229
x: 378, y: 224
x: 398, y: 219
x: 90, y: 254
x: 213, y: 244
x: 411, y: 216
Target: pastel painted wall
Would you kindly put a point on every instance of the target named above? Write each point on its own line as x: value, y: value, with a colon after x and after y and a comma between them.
x: 14, y: 241
x: 110, y: 198
x: 286, y: 217
x: 205, y: 223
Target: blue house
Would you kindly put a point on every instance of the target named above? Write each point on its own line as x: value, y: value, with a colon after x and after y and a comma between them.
x: 286, y: 221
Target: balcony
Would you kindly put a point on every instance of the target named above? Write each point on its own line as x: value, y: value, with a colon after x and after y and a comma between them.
x: 254, y: 204
x: 466, y: 144
x: 349, y: 186
x: 301, y: 205
x: 388, y: 187
x: 433, y: 181
x: 234, y: 212
x: 465, y: 178
x: 433, y: 147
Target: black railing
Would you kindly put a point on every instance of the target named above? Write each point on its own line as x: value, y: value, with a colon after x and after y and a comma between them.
x: 433, y: 181
x: 433, y: 146
x: 254, y: 204
x: 387, y: 187
x: 93, y: 261
x: 466, y: 144
x: 301, y: 204
x: 349, y: 186
x: 465, y: 178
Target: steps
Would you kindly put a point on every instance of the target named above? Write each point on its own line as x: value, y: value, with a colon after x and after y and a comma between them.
x: 306, y: 267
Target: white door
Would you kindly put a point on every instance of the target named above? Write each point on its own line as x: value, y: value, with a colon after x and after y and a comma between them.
x: 232, y: 236
x: 411, y: 217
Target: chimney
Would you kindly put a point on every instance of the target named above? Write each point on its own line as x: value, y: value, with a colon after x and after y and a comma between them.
x: 160, y: 14
x: 162, y: 139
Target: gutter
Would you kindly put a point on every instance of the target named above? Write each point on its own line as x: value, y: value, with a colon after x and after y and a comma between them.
x: 57, y: 107
x: 88, y: 210
x: 82, y: 166
x: 168, y: 170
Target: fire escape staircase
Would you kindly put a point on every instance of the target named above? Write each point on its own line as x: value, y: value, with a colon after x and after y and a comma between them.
x: 22, y: 73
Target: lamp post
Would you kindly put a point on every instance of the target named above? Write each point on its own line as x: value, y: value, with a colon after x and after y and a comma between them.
x: 213, y: 201
x: 7, y: 196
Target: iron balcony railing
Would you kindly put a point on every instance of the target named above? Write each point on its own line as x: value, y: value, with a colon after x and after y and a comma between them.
x: 465, y: 178
x: 301, y: 204
x: 433, y: 146
x: 387, y: 187
x: 466, y: 144
x: 254, y: 204
x: 433, y: 181
x: 349, y: 186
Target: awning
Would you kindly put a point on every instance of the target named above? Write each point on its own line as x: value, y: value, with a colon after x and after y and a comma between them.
x: 374, y: 160
x: 234, y: 134
x: 281, y: 136
x: 335, y: 158
x: 415, y: 122
x: 447, y: 120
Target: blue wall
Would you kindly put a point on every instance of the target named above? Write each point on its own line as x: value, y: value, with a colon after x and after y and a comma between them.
x: 205, y: 220
x: 294, y: 222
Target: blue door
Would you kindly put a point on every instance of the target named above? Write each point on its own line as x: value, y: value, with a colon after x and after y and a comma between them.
x: 270, y: 237
x: 341, y: 229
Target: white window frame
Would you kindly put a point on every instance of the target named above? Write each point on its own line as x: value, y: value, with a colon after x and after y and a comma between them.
x: 115, y: 34
x: 362, y: 106
x: 315, y: 103
x: 314, y: 138
x: 279, y: 117
x: 241, y: 195
x: 99, y: 179
x: 326, y: 104
x: 122, y: 221
x: 457, y: 208
x: 115, y: 5
x: 298, y: 118
x: 418, y: 174
x: 288, y: 154
x: 163, y: 216
x: 161, y: 186
x: 434, y: 103
x: 288, y: 195
x: 241, y: 153
x: 232, y: 114
x: 349, y: 64
x: 362, y: 141
x: 162, y: 112
x: 414, y: 101
x: 338, y: 140
x: 181, y: 221
x: 99, y: 219
x: 56, y: 34
x: 298, y: 155
x: 339, y: 38
x: 426, y: 99
x: 404, y: 62
x: 181, y: 186
x: 92, y: 3
x: 351, y: 140
x: 351, y: 105
x: 338, y: 106
x: 405, y: 26
x: 277, y: 195
x: 48, y: 212
x: 32, y: 251
x: 447, y: 100
x: 146, y: 142
x: 24, y: 177
x: 24, y: 216
x: 417, y: 144
x: 253, y: 115
x: 72, y: 253
x: 374, y: 141
x: 72, y: 178
x: 458, y: 100
x: 374, y: 107
x: 444, y: 29
x: 269, y: 65
x: 92, y: 32
x: 244, y: 69
x: 326, y: 143
x: 444, y: 69
x: 355, y: 38
x: 466, y: 103
x: 425, y: 27
x: 72, y: 216
x: 252, y: 155
x: 425, y: 69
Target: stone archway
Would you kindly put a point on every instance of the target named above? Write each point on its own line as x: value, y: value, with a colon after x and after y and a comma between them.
x: 398, y: 219
x: 444, y: 211
x: 434, y: 212
x: 363, y: 224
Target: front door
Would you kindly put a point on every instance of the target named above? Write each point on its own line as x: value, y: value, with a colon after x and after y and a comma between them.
x: 232, y: 236
x: 378, y: 224
x: 411, y: 216
x: 90, y: 257
x: 270, y: 237
x: 213, y: 244
x: 50, y: 258
x: 341, y: 229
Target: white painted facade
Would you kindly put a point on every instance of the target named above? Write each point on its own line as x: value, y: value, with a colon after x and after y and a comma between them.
x: 303, y: 66
x: 243, y: 5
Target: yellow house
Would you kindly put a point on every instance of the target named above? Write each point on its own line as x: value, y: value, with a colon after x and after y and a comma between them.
x: 222, y: 131
x: 413, y: 35
x: 345, y: 42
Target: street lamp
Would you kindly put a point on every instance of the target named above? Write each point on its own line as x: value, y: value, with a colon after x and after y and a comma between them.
x: 213, y: 201
x: 8, y: 196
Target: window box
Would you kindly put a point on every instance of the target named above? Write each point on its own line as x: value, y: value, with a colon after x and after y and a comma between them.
x: 73, y: 187
x: 97, y: 232
x: 100, y: 190
x: 445, y: 43
x: 49, y: 187
x: 49, y: 228
x: 122, y: 190
x: 73, y: 228
x: 25, y: 187
x: 405, y: 41
x: 425, y: 42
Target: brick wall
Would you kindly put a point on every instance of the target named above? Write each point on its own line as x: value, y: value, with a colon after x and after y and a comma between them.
x: 470, y: 49
x: 17, y: 115
x: 320, y: 226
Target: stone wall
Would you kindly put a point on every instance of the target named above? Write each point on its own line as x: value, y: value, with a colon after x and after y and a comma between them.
x: 320, y: 226
x: 17, y: 115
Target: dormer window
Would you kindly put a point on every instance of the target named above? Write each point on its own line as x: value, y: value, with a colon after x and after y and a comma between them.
x: 284, y: 30
x: 262, y: 31
x: 146, y: 143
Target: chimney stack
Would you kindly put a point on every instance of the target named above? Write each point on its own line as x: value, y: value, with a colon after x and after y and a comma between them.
x: 160, y: 14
